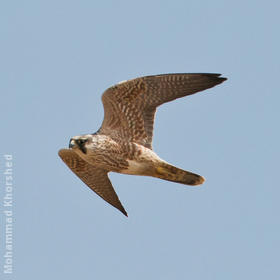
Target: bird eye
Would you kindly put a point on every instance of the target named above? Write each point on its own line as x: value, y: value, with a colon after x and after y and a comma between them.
x: 82, y: 141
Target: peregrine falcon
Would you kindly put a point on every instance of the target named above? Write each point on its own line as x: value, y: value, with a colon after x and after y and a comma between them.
x: 123, y: 143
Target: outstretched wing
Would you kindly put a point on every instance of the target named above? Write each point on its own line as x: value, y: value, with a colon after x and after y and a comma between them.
x: 96, y: 178
x: 130, y: 106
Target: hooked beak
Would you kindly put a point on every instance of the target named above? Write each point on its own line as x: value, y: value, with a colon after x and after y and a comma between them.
x: 71, y: 143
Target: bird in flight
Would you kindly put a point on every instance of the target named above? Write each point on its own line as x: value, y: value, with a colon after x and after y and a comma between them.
x: 123, y: 144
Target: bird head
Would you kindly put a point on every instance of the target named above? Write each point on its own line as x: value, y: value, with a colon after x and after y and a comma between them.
x: 79, y: 143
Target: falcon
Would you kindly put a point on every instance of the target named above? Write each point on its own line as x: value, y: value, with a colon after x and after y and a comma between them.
x: 123, y: 144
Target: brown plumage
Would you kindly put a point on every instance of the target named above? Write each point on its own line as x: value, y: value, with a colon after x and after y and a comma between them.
x: 124, y: 142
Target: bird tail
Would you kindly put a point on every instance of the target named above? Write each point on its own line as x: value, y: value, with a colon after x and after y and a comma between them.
x: 169, y: 172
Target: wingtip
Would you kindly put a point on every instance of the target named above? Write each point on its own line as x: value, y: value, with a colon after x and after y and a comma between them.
x: 218, y: 77
x: 120, y: 207
x: 124, y: 212
x: 222, y: 79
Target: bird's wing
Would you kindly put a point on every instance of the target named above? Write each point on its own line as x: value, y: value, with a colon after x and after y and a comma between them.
x: 130, y: 106
x: 96, y: 178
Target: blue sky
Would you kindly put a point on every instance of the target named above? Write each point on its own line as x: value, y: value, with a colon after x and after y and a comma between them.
x: 57, y: 57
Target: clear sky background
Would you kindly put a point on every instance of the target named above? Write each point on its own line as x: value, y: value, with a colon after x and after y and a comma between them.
x: 57, y: 57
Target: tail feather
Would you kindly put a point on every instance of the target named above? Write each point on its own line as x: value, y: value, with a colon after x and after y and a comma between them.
x: 168, y: 172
